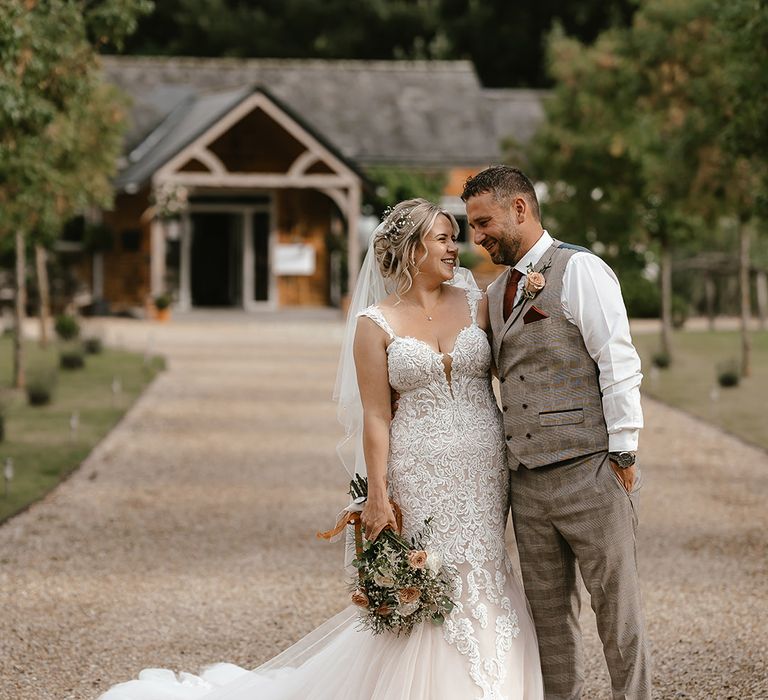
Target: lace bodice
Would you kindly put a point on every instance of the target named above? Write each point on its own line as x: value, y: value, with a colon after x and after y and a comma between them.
x: 447, y: 463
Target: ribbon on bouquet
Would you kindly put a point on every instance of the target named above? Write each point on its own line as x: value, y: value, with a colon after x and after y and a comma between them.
x: 351, y: 516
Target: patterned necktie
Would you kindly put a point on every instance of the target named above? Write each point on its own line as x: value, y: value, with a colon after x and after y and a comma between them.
x: 511, y: 292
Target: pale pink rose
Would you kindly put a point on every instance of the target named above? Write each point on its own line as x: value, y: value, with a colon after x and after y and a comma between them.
x: 384, y: 610
x: 408, y: 595
x: 359, y: 598
x: 417, y: 558
x: 383, y: 580
x: 534, y: 282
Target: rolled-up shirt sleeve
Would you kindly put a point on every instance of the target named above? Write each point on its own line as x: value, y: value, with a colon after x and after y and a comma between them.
x: 592, y: 301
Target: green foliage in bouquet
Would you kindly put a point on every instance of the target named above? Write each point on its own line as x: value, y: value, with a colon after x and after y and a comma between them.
x: 401, y: 583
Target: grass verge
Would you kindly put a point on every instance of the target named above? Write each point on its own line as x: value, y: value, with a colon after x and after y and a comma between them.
x: 39, y: 440
x: 691, y: 382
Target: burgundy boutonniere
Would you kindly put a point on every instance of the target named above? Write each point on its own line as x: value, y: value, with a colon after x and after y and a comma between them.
x: 534, y: 281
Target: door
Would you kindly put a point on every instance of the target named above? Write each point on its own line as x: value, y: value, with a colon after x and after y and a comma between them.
x: 216, y: 259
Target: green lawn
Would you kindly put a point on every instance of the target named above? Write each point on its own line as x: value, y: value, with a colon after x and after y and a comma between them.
x: 39, y: 439
x: 691, y: 382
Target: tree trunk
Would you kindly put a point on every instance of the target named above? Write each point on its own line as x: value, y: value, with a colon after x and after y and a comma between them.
x: 43, y: 290
x: 710, y: 292
x: 19, y: 364
x: 666, y: 297
x: 762, y: 297
x: 746, y: 311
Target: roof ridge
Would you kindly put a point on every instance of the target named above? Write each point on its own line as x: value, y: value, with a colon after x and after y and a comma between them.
x: 377, y: 64
x: 533, y: 93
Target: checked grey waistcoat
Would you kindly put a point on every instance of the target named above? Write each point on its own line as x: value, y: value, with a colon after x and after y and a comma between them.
x: 550, y: 394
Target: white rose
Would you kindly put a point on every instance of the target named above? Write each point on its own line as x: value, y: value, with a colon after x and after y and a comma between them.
x: 434, y: 561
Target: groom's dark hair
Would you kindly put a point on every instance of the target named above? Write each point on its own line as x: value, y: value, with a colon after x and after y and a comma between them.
x: 503, y: 182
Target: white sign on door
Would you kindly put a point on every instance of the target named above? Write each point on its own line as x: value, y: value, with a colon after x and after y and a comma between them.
x: 294, y: 259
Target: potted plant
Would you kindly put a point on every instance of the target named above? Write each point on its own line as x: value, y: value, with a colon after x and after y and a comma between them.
x: 162, y: 307
x: 41, y: 386
x: 67, y: 327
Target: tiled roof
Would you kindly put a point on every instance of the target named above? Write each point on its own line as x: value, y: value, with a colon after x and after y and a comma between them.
x: 188, y: 118
x: 419, y: 113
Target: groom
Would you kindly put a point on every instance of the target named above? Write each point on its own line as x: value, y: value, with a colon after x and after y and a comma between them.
x: 570, y: 392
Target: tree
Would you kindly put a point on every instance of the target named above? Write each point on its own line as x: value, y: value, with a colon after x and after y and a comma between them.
x: 641, y: 113
x: 380, y: 29
x: 59, y: 126
x: 503, y: 39
x: 743, y: 26
x: 597, y: 183
x: 393, y: 184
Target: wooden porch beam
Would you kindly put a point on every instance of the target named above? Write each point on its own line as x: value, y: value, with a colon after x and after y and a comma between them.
x: 259, y: 180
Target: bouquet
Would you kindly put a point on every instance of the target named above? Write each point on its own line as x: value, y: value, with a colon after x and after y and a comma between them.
x: 400, y: 583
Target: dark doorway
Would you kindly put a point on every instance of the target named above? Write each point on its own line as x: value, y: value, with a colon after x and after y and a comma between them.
x: 216, y: 267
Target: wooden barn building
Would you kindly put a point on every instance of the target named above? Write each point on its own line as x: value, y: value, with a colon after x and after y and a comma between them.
x: 242, y: 181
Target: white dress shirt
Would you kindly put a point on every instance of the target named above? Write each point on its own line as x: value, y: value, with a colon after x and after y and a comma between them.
x: 592, y: 302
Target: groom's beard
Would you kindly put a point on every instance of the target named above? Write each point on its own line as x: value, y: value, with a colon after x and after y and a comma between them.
x: 508, y: 248
x: 507, y: 253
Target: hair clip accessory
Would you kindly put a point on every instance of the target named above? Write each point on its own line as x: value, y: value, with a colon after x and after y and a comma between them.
x: 398, y: 224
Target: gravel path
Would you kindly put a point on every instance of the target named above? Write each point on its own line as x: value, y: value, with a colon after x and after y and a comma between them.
x: 188, y: 535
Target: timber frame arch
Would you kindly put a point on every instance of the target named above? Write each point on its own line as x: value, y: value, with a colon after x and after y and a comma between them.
x: 258, y: 148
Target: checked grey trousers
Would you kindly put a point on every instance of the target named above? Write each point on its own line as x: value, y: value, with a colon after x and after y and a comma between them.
x: 579, y: 513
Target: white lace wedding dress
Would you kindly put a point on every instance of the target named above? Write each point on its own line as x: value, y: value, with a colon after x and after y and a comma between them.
x: 446, y: 463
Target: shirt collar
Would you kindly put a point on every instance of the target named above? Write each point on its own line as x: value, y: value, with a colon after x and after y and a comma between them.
x: 535, y: 253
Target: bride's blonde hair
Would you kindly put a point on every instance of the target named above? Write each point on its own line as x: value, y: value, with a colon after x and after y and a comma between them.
x: 397, y: 240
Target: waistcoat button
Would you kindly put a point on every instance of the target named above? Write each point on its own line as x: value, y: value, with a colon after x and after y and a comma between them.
x: 528, y: 435
x: 509, y: 437
x: 504, y: 408
x: 522, y: 378
x: 502, y: 380
x: 525, y: 405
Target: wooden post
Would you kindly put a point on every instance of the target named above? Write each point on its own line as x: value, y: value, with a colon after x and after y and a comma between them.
x: 710, y: 292
x: 666, y: 297
x: 185, y: 274
x: 248, y: 272
x: 353, y: 236
x: 761, y: 281
x: 746, y: 311
x: 19, y: 365
x: 157, y: 258
x: 43, y: 289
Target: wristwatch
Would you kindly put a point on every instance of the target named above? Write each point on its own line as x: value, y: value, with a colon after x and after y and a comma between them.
x: 623, y: 460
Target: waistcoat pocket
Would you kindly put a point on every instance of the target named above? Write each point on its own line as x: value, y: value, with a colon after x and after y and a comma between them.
x: 569, y: 417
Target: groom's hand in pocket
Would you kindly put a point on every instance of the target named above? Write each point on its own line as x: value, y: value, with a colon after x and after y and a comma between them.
x: 625, y: 476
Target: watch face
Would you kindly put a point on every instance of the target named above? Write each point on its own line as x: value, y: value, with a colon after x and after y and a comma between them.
x: 623, y: 459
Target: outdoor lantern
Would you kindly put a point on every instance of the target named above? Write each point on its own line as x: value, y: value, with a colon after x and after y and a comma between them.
x: 117, y: 388
x: 8, y: 474
x: 74, y: 424
x: 172, y: 229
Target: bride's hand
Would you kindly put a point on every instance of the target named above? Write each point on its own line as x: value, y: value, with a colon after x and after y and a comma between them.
x: 377, y: 515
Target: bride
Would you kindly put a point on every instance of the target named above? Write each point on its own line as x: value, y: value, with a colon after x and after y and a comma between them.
x: 417, y: 326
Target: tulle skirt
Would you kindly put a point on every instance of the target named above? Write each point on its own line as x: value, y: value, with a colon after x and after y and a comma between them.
x: 340, y: 661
